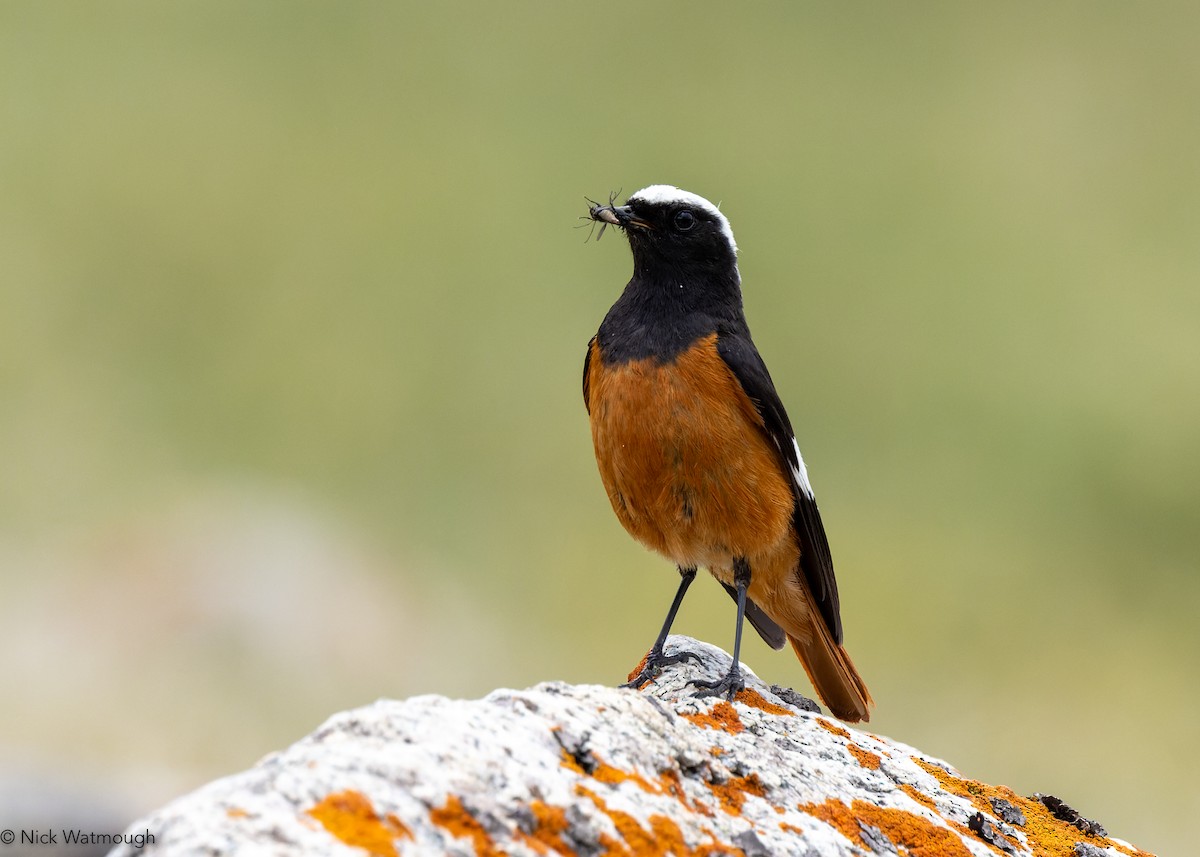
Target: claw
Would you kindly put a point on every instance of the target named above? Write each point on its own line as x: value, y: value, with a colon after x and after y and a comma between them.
x: 654, y: 664
x: 728, y: 686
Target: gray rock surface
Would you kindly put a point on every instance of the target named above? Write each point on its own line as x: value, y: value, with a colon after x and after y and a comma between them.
x: 588, y: 770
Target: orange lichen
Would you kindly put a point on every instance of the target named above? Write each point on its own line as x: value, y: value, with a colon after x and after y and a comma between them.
x: 637, y: 671
x: 393, y: 821
x: 1055, y: 837
x: 237, y: 812
x: 350, y: 818
x: 968, y: 833
x: 791, y: 828
x: 549, y: 824
x: 606, y: 773
x: 671, y: 784
x: 721, y: 716
x: 455, y: 818
x: 955, y: 785
x: 833, y: 727
x: 1047, y: 835
x: 919, y: 836
x: 865, y: 757
x: 669, y: 781
x: 568, y: 762
x: 754, y: 699
x: 663, y: 838
x: 919, y: 796
x: 732, y: 794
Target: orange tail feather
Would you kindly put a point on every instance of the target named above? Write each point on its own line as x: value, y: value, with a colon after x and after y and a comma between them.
x: 833, y: 675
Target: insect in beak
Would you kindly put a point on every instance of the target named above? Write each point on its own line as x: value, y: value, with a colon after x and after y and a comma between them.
x: 605, y: 215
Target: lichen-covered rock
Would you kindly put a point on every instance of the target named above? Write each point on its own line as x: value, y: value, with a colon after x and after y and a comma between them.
x: 586, y: 770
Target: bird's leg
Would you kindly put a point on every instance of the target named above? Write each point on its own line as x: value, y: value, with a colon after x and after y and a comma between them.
x: 655, y: 659
x: 731, y: 683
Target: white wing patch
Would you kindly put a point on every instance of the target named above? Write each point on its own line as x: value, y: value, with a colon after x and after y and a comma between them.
x: 800, y: 472
x: 665, y: 194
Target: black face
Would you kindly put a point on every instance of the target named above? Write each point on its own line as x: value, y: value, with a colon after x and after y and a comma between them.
x: 685, y: 282
x: 675, y: 233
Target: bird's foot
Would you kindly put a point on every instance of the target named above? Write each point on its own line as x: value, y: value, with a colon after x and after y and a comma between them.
x: 728, y: 686
x: 653, y: 664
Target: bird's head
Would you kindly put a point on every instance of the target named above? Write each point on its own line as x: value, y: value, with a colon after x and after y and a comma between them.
x: 673, y: 228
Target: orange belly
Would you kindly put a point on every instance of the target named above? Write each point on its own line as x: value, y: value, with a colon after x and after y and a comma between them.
x: 687, y: 465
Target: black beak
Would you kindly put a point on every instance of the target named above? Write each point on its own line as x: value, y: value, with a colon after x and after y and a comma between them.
x: 617, y: 215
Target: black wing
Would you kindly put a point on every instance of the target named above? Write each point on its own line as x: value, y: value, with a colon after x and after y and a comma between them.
x: 587, y: 364
x: 816, y: 563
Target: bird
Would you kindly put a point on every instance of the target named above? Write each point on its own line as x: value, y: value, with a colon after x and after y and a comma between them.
x: 696, y: 451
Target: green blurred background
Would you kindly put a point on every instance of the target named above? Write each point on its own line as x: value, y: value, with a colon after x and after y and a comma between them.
x: 293, y: 317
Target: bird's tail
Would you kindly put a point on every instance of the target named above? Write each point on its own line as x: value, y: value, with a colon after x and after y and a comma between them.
x: 832, y: 674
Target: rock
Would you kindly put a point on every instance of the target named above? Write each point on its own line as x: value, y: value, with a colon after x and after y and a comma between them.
x: 590, y: 771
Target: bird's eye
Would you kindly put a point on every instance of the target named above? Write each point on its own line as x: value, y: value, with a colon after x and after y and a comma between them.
x: 685, y: 220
